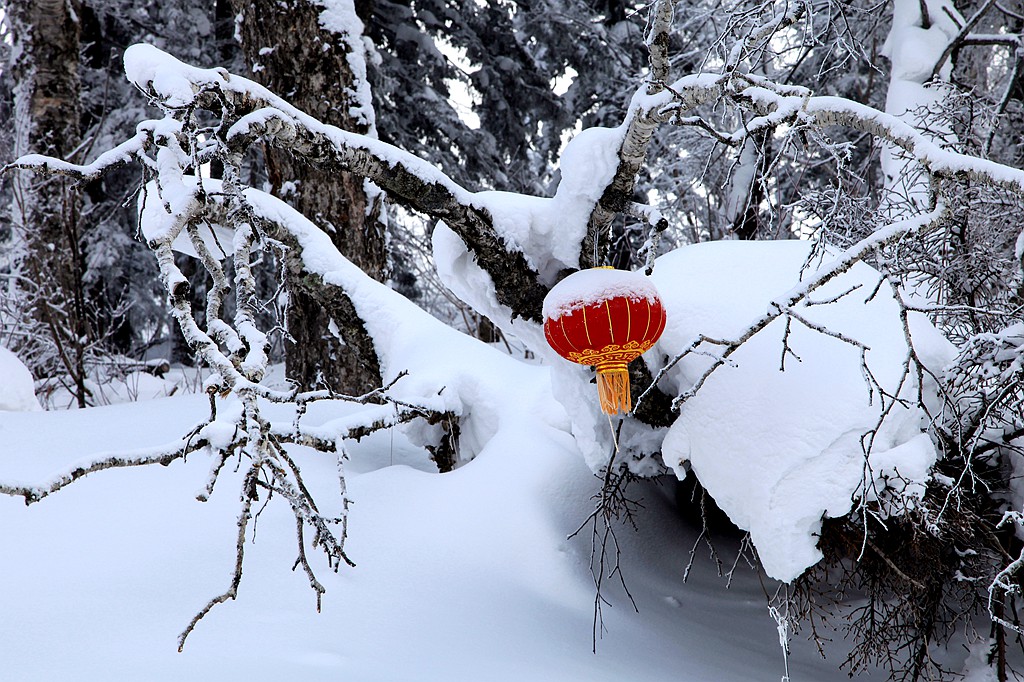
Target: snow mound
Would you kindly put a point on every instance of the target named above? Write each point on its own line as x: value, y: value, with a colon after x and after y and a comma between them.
x: 17, y: 388
x: 778, y: 437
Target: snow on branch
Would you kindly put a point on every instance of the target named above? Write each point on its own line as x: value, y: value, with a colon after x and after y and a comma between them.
x: 649, y: 108
x: 938, y: 162
x: 638, y: 130
x: 122, y: 154
x: 251, y: 113
x: 162, y: 455
x: 760, y: 35
x: 217, y: 220
x: 961, y: 37
x: 776, y: 104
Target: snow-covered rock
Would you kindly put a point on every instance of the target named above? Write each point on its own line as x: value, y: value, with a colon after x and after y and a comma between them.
x: 17, y: 388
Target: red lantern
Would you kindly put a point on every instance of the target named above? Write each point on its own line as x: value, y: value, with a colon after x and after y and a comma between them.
x: 605, y: 318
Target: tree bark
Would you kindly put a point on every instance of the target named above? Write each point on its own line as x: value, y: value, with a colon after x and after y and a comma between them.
x: 289, y: 51
x: 46, y: 212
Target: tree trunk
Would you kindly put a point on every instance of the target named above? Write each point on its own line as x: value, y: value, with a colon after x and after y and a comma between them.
x: 46, y: 212
x: 746, y: 192
x: 290, y: 51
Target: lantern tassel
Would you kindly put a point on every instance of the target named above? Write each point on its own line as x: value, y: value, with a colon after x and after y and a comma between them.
x: 613, y: 388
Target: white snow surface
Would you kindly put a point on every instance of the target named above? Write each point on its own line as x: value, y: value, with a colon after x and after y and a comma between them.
x: 596, y: 285
x: 777, y: 450
x: 465, y: 576
x: 17, y: 388
x: 780, y: 450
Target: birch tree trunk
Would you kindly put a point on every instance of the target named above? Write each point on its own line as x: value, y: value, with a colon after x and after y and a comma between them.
x: 45, y: 211
x: 315, y: 58
x: 920, y: 33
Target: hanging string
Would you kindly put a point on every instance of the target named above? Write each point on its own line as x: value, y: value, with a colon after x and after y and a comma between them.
x: 615, y: 438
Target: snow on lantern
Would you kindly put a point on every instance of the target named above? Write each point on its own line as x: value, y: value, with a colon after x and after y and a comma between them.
x: 605, y: 318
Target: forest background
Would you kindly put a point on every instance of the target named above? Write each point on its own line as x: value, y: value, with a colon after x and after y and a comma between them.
x: 471, y: 155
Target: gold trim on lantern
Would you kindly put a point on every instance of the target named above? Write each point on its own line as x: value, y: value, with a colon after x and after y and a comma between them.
x: 614, y: 352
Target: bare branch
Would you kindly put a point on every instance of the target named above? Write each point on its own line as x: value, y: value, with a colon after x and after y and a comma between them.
x: 247, y: 496
x: 958, y: 41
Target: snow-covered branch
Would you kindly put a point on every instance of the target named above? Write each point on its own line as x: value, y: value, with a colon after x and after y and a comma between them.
x: 787, y: 304
x: 163, y: 455
x: 253, y: 113
x: 122, y: 154
x: 781, y: 104
x: 759, y: 36
x: 218, y: 220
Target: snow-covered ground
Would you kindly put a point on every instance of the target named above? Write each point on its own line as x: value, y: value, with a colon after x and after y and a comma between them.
x: 462, y: 576
x: 469, y: 575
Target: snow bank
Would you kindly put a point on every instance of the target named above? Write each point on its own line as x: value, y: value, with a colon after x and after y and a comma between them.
x: 17, y: 388
x: 463, y: 576
x: 777, y: 449
x: 781, y: 449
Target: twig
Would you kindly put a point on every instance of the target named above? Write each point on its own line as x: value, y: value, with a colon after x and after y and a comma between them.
x: 236, y: 577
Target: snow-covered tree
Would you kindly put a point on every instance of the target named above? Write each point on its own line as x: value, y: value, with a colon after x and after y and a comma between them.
x: 876, y: 439
x: 115, y: 305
